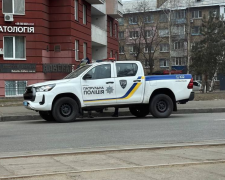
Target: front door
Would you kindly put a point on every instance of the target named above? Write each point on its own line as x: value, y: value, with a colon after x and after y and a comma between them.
x: 129, y: 86
x: 99, y: 88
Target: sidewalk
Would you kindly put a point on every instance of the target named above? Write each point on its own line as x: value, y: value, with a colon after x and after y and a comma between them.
x: 186, y: 163
x: 14, y: 113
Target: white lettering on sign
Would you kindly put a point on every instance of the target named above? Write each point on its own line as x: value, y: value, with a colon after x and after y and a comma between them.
x: 12, y: 29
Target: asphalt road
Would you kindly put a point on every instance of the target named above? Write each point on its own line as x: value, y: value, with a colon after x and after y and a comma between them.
x: 40, y: 135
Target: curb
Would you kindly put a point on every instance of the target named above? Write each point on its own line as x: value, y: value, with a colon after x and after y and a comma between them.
x: 109, y: 114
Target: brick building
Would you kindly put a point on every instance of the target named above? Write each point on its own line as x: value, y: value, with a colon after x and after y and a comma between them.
x: 45, y: 39
x: 173, y: 50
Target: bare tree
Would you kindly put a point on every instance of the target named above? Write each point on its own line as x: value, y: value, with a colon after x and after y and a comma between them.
x: 142, y: 33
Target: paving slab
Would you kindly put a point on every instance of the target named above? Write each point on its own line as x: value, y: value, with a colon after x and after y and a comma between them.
x: 158, y: 164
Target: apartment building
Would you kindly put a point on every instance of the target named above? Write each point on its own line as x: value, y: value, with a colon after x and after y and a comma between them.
x: 174, y: 46
x: 46, y: 39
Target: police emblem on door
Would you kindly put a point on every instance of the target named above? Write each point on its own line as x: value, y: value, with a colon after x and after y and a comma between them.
x: 123, y: 83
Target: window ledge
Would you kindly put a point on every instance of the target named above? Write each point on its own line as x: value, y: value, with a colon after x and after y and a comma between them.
x: 12, y: 59
x: 121, y: 53
x: 16, y: 14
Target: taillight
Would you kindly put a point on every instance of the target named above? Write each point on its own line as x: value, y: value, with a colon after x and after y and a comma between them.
x: 190, y: 85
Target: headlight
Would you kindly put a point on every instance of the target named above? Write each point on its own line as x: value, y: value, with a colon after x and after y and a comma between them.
x: 45, y: 88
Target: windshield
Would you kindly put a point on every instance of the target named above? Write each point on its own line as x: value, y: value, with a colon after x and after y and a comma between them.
x: 77, y: 72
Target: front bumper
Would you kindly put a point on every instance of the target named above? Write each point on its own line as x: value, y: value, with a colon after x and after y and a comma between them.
x: 192, y: 96
x: 43, y: 102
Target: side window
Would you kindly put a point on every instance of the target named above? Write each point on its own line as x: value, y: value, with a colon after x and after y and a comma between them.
x: 100, y: 72
x: 195, y: 83
x: 126, y: 69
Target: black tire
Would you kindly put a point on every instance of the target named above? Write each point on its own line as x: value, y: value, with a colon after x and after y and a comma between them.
x: 65, y: 110
x: 139, y: 111
x: 161, y: 106
x: 46, y: 115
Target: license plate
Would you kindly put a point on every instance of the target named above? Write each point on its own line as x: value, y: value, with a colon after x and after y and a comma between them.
x: 25, y: 103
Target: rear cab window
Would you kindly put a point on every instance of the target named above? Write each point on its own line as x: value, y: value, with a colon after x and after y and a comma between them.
x: 126, y: 69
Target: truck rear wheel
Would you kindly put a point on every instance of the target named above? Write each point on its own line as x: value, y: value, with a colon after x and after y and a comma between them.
x: 65, y: 110
x: 46, y: 115
x: 139, y: 111
x: 161, y: 106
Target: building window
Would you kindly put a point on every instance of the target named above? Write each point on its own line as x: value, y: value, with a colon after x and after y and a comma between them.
x: 111, y: 54
x: 196, y: 14
x: 121, y: 35
x: 133, y: 34
x: 15, y: 88
x: 213, y: 13
x: 163, y: 63
x: 116, y: 58
x: 195, y: 30
x: 133, y: 20
x: 84, y: 14
x: 179, y: 14
x: 14, y: 48
x: 163, y: 18
x: 14, y: 7
x: 178, y: 30
x: 76, y: 50
x: 164, y: 47
x: 76, y: 10
x: 149, y: 19
x: 84, y: 50
x: 121, y: 21
x: 115, y: 30
x: 178, y: 45
x: 110, y: 28
x: 133, y: 49
x: 179, y: 61
x: 163, y: 32
x: 149, y: 33
x: 147, y: 49
x: 121, y: 50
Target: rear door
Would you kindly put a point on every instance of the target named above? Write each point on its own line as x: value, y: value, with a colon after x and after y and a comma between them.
x: 129, y: 85
x: 100, y: 88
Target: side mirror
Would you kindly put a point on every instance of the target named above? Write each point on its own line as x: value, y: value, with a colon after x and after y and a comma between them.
x: 87, y: 76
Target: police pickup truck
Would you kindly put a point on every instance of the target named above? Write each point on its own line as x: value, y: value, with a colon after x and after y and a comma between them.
x: 109, y: 84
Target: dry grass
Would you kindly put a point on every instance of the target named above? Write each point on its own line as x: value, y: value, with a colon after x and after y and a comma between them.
x: 209, y: 96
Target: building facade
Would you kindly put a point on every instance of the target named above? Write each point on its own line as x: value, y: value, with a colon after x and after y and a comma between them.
x: 177, y: 28
x: 45, y: 40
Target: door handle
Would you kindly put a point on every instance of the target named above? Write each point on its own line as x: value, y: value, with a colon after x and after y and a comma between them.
x: 109, y: 82
x: 137, y: 80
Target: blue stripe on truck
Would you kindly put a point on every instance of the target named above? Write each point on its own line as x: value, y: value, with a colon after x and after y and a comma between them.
x: 168, y: 77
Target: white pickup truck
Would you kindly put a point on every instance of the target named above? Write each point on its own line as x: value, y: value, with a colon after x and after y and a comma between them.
x: 109, y: 84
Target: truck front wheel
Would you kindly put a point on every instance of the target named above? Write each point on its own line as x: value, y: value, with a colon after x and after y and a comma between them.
x: 139, y: 111
x: 65, y: 110
x: 161, y: 106
x: 46, y: 115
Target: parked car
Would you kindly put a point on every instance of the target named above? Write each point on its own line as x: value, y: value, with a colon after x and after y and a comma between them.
x: 197, y: 86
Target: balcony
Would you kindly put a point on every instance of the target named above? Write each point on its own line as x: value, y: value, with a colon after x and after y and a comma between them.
x: 179, y: 21
x: 95, y: 1
x: 114, y: 8
x: 98, y: 36
x: 179, y: 53
x: 98, y: 9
